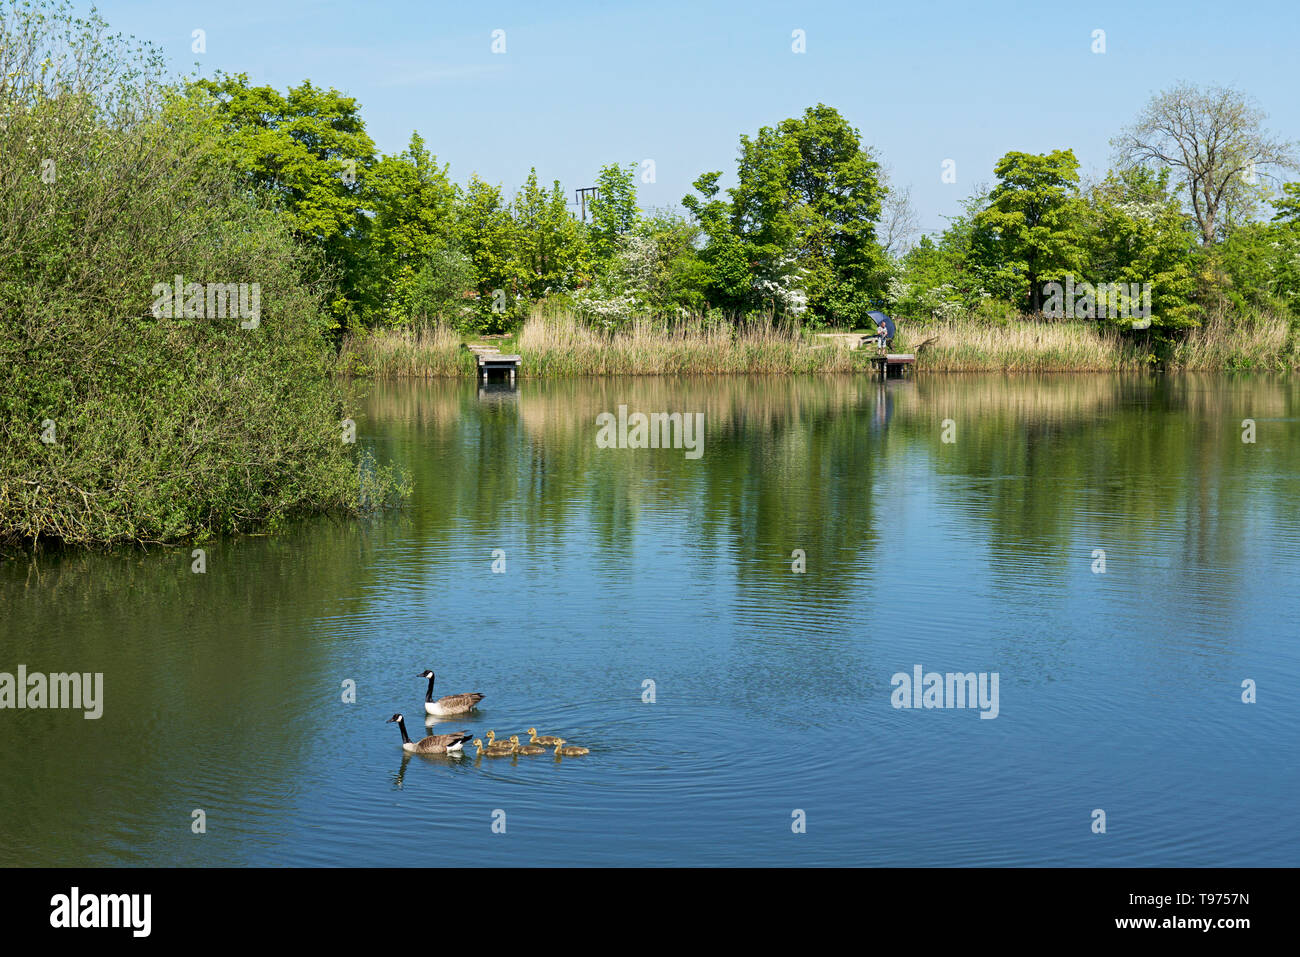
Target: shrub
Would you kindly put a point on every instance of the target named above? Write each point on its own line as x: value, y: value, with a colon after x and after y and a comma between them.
x: 118, y: 422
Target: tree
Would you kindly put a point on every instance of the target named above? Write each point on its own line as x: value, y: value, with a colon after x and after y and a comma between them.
x: 726, y: 279
x: 1259, y: 264
x: 947, y: 277
x: 549, y: 254
x: 899, y: 221
x: 808, y: 199
x: 613, y: 209
x: 1033, y: 224
x: 170, y: 417
x: 485, y: 231
x: 676, y: 276
x: 1140, y: 234
x: 309, y: 152
x: 414, y: 206
x: 1288, y: 205
x: 1214, y: 141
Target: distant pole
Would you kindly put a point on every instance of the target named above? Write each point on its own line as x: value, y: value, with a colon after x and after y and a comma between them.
x: 581, y: 194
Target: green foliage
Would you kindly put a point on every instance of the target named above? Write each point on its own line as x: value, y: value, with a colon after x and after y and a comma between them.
x: 655, y: 273
x: 943, y: 279
x: 308, y: 151
x: 485, y: 231
x: 613, y: 210
x: 1257, y: 266
x: 1288, y: 205
x: 806, y: 207
x: 549, y: 250
x: 674, y: 276
x: 118, y: 423
x: 1141, y: 235
x: 726, y: 280
x: 438, y: 291
x: 1032, y: 231
x: 411, y: 241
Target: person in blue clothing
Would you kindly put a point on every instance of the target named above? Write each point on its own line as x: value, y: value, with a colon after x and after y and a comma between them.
x: 884, y: 328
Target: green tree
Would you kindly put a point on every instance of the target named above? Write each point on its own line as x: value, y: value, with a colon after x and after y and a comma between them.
x: 1141, y: 235
x: 1033, y: 227
x: 414, y: 208
x: 549, y: 252
x: 169, y: 417
x: 725, y: 278
x: 808, y: 200
x: 1287, y: 206
x: 485, y: 232
x: 307, y: 150
x: 613, y: 210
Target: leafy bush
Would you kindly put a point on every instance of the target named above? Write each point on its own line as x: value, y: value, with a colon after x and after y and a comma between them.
x: 118, y: 421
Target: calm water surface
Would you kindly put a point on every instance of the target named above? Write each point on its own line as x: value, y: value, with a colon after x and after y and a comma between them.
x: 1120, y: 691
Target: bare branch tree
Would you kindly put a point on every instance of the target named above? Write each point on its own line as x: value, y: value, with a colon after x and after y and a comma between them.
x: 899, y: 222
x: 1214, y: 140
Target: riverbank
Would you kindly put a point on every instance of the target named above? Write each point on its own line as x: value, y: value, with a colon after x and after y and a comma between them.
x: 558, y: 345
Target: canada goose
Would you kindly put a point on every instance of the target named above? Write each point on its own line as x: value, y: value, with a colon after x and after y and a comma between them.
x: 546, y: 739
x: 572, y: 751
x: 452, y: 703
x: 497, y: 751
x: 434, y: 743
x: 503, y: 743
x: 526, y: 748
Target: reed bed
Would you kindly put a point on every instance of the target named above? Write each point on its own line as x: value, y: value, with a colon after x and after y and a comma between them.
x: 1255, y: 341
x: 558, y: 345
x: 969, y: 346
x: 432, y: 353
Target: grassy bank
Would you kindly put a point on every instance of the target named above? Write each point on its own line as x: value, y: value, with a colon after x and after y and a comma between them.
x: 1253, y: 341
x: 558, y: 345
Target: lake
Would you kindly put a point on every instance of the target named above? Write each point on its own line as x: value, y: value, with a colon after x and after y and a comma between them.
x: 723, y: 633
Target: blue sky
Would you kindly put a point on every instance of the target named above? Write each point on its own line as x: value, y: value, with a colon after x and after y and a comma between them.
x: 582, y: 84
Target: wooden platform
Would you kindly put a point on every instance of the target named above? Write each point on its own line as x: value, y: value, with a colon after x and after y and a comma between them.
x: 490, y: 360
x: 892, y: 365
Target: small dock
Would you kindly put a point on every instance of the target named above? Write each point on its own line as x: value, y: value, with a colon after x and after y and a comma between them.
x: 491, y: 360
x: 892, y: 365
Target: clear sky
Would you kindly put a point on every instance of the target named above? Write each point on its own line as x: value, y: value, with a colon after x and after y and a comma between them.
x: 581, y: 84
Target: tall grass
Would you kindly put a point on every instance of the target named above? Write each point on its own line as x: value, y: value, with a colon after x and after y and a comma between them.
x: 560, y: 345
x: 969, y: 346
x: 555, y: 344
x: 431, y: 353
x: 1256, y: 340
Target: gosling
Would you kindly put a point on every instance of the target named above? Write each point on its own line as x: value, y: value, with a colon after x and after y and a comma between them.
x: 572, y: 751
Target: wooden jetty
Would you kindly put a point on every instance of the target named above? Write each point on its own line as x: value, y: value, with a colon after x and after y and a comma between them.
x: 491, y: 360
x: 892, y: 365
x: 888, y: 365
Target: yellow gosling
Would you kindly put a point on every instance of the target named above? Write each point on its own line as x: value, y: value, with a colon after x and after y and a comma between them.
x: 572, y: 751
x: 500, y: 751
x: 546, y: 739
